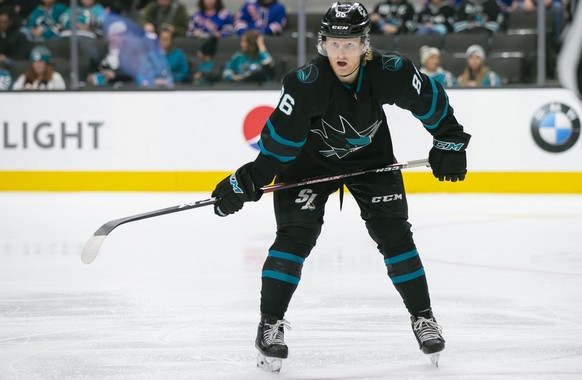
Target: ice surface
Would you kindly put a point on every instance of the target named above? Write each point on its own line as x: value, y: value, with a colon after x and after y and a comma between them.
x: 176, y: 297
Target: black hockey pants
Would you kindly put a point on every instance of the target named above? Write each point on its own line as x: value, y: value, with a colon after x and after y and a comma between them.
x: 299, y: 213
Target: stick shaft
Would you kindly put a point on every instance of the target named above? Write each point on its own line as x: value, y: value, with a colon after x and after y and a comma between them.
x: 92, y: 246
x: 312, y: 181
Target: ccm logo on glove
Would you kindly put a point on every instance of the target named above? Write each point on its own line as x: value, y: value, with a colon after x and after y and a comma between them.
x: 445, y: 145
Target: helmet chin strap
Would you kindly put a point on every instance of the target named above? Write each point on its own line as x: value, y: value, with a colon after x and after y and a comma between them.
x: 353, y: 71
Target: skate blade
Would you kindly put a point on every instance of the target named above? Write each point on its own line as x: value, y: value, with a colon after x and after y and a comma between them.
x: 269, y: 364
x: 434, y: 358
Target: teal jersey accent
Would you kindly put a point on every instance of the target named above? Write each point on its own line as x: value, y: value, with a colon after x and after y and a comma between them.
x: 51, y: 19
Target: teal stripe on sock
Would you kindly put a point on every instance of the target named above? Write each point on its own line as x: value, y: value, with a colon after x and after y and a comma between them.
x: 281, y: 277
x: 286, y: 256
x: 401, y: 257
x: 408, y: 277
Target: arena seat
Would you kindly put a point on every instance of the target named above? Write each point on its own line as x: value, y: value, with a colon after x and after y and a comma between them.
x: 18, y: 67
x: 455, y: 63
x: 458, y: 43
x: 413, y: 42
x: 383, y: 42
x: 188, y: 45
x: 525, y: 23
x: 312, y: 23
x: 509, y: 68
x: 281, y: 45
x: 517, y: 45
x: 525, y: 43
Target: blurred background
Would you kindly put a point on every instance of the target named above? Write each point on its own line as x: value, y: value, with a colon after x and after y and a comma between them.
x: 198, y: 42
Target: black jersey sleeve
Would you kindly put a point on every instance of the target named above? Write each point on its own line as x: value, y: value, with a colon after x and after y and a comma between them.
x: 425, y: 98
x: 285, y: 131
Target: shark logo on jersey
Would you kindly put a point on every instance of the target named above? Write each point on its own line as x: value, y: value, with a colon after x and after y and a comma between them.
x: 391, y: 62
x: 345, y: 140
x: 308, y: 74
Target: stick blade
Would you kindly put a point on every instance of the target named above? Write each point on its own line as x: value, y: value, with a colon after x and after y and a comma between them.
x: 91, y: 248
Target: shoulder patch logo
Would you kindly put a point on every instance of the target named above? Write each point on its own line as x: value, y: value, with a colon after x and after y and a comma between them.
x: 308, y: 74
x: 391, y: 62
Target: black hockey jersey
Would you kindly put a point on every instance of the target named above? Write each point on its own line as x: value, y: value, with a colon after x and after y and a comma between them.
x: 340, y: 128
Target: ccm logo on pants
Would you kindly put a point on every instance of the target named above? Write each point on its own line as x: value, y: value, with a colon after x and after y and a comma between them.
x: 387, y: 198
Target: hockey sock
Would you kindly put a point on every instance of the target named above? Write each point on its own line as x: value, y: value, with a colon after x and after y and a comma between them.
x: 280, y: 277
x: 407, y: 274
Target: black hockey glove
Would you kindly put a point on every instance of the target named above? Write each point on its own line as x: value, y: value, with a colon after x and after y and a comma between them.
x: 233, y: 191
x: 448, y: 160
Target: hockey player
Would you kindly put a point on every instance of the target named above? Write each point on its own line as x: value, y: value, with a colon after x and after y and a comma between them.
x: 330, y: 120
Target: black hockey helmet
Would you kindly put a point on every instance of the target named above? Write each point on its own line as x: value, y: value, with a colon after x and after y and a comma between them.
x: 345, y: 20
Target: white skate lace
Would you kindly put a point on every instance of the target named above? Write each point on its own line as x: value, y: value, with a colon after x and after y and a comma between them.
x: 427, y: 329
x: 273, y: 334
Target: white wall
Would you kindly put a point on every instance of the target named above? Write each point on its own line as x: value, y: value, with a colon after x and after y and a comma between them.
x: 203, y: 131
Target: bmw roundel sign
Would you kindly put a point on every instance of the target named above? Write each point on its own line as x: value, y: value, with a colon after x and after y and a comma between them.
x: 555, y: 127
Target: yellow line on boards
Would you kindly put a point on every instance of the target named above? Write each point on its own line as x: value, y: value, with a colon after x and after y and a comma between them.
x: 416, y: 182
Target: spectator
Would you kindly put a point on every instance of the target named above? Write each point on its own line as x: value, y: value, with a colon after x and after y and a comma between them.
x: 430, y: 59
x: 8, y: 4
x: 554, y: 7
x: 205, y: 72
x: 132, y: 55
x: 211, y: 19
x: 5, y: 80
x: 393, y: 17
x: 13, y: 44
x: 478, y: 16
x: 24, y: 8
x: 437, y: 17
x: 117, y: 7
x: 176, y: 57
x: 252, y: 63
x: 46, y: 21
x: 21, y: 8
x: 90, y: 16
x: 41, y: 75
x: 269, y: 17
x: 131, y: 8
x: 476, y: 74
x: 165, y: 14
x: 109, y: 70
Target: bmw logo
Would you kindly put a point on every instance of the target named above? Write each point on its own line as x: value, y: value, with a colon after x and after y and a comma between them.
x: 555, y: 127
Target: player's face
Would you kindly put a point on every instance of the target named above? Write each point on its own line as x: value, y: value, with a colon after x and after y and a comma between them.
x: 343, y: 54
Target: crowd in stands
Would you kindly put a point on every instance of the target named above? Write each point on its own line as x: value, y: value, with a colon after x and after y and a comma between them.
x: 159, y: 43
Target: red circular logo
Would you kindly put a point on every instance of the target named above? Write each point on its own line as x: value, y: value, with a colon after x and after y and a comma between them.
x: 253, y: 124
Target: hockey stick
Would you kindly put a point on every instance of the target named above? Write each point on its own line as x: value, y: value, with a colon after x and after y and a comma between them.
x: 91, y: 248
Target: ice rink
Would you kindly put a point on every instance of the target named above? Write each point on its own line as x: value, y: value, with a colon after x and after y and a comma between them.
x: 177, y: 296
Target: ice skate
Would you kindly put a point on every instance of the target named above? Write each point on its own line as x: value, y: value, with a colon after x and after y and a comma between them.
x: 428, y: 334
x: 270, y: 343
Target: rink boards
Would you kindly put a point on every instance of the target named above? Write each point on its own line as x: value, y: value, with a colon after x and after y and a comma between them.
x: 524, y: 140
